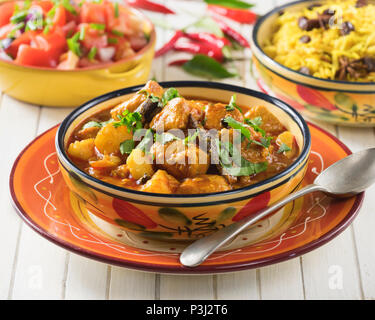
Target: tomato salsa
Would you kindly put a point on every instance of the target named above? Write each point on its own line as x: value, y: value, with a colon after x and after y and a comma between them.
x: 69, y: 34
x: 158, y: 141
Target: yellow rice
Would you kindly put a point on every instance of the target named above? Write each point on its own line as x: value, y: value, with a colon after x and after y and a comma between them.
x: 285, y: 47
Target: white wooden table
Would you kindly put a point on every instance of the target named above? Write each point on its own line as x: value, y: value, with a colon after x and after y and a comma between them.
x: 27, y: 258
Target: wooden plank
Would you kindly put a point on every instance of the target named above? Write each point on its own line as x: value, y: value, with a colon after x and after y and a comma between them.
x: 238, y: 286
x: 132, y: 285
x: 18, y: 123
x: 282, y: 281
x: 40, y: 273
x: 187, y: 287
x: 86, y: 279
x: 358, y: 139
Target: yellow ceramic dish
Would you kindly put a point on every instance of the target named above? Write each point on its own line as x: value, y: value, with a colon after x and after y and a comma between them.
x: 71, y: 88
x: 182, y: 216
x: 337, y: 102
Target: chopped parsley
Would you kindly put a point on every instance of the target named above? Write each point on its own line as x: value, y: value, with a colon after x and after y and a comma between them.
x: 147, y: 141
x: 255, y: 124
x: 283, y: 148
x: 127, y: 146
x: 132, y: 120
x: 92, y: 53
x: 169, y: 94
x: 232, y: 104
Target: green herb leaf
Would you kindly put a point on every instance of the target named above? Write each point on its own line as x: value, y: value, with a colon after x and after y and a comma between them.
x: 127, y: 146
x: 117, y: 33
x: 97, y: 26
x: 192, y: 138
x: 112, y: 41
x: 19, y: 17
x: 239, y: 126
x: 146, y: 142
x: 74, y: 45
x: 82, y: 33
x: 91, y: 124
x: 117, y: 11
x: 165, y: 137
x: 168, y: 95
x: 237, y: 4
x: 92, y: 53
x: 232, y: 104
x: 255, y: 124
x: 132, y: 120
x: 67, y: 5
x: 207, y: 67
x: 283, y: 148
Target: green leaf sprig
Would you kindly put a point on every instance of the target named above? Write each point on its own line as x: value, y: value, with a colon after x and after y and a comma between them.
x: 233, y: 105
x: 236, y: 4
x: 132, y: 120
x: 283, y: 148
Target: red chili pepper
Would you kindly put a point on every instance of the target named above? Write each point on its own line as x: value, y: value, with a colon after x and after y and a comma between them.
x: 239, y: 15
x: 178, y: 62
x: 315, y: 98
x: 210, y: 38
x: 200, y: 48
x: 233, y: 34
x: 170, y: 44
x: 149, y: 5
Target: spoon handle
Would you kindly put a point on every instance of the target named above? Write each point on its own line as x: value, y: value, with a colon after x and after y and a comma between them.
x: 200, y: 250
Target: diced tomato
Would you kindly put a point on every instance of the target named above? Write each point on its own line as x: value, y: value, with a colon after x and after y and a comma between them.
x: 53, y: 42
x: 59, y: 18
x: 25, y: 38
x: 93, y: 13
x: 34, y: 57
x: 45, y: 5
x: 6, y: 12
x: 93, y: 37
x: 120, y: 23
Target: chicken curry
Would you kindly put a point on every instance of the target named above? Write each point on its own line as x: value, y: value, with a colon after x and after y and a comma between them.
x: 158, y: 141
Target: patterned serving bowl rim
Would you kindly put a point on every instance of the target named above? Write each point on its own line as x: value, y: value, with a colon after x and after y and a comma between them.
x: 235, y: 195
x: 295, y: 76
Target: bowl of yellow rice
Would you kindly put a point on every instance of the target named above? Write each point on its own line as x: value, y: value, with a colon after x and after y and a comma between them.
x: 319, y: 56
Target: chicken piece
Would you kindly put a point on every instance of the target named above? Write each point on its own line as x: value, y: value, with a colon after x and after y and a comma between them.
x: 180, y: 160
x: 151, y: 87
x: 161, y: 182
x: 175, y: 115
x: 216, y: 112
x: 139, y: 164
x: 83, y: 150
x: 109, y: 138
x: 287, y: 138
x: 204, y: 184
x: 270, y: 123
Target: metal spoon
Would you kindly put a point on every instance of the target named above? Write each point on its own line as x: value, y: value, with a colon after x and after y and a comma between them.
x: 345, y: 178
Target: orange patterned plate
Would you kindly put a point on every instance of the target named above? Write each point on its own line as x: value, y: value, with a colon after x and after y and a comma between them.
x: 44, y: 202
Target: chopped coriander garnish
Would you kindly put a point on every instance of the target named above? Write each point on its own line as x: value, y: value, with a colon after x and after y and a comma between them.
x: 117, y: 33
x: 112, y: 41
x: 82, y: 33
x: 19, y: 17
x: 132, y: 120
x: 232, y: 104
x: 147, y: 141
x: 255, y: 124
x: 67, y: 5
x: 74, y: 44
x: 165, y: 137
x: 127, y: 146
x: 168, y: 95
x: 283, y: 148
x: 239, y: 126
x: 117, y: 10
x: 92, y: 54
x: 97, y: 26
x: 192, y: 138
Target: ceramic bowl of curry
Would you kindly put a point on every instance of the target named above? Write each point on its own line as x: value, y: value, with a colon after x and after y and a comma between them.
x: 208, y: 155
x: 341, y: 102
